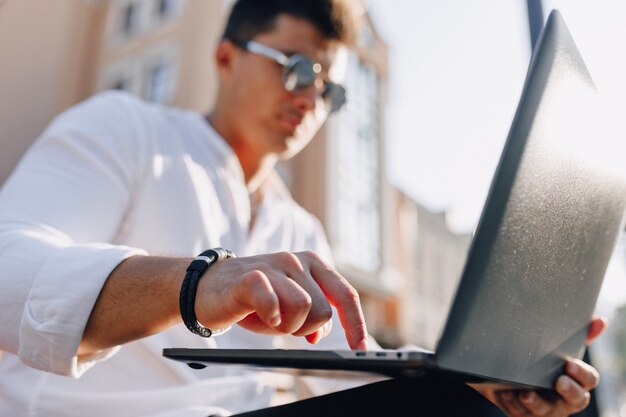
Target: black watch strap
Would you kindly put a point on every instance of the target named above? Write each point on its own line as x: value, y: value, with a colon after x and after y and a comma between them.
x: 188, y: 289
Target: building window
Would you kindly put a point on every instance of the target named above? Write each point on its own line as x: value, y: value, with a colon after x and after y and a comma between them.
x: 165, y: 7
x: 121, y: 84
x: 151, y: 75
x: 122, y: 75
x: 131, y: 19
x: 160, y: 81
x: 166, y: 10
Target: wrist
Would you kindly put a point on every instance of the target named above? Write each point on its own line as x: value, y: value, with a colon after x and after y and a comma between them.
x: 189, y: 288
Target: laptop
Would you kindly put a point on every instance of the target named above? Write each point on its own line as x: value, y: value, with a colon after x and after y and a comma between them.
x: 534, y: 270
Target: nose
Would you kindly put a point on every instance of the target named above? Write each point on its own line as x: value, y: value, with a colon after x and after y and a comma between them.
x: 306, y: 99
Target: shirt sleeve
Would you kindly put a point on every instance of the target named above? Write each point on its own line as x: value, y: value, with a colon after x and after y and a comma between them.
x: 69, y: 194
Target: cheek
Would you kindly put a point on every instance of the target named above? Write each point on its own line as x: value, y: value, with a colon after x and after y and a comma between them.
x: 255, y: 105
x: 261, y: 86
x: 260, y: 95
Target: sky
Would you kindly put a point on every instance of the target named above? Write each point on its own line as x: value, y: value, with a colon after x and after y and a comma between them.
x: 456, y: 73
x: 455, y: 76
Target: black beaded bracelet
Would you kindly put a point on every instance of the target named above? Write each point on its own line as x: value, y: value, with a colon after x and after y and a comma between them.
x: 188, y: 290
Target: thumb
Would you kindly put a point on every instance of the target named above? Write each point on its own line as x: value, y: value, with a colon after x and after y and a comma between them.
x: 596, y: 328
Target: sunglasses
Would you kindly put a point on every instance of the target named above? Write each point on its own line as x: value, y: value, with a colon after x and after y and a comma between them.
x: 300, y: 72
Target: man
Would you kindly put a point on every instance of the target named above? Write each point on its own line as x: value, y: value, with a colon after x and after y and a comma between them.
x: 101, y: 219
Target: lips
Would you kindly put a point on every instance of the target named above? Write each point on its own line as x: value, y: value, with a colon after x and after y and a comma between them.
x: 291, y: 120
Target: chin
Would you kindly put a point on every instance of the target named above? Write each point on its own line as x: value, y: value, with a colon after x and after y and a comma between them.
x: 289, y: 152
x: 294, y: 144
x: 299, y: 137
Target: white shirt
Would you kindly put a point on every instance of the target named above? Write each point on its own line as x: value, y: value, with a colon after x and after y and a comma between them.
x: 110, y: 178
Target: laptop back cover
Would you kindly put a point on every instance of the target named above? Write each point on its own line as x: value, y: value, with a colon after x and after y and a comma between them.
x: 548, y: 229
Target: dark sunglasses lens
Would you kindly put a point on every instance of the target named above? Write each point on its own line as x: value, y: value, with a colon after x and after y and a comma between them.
x: 334, y: 96
x: 299, y: 74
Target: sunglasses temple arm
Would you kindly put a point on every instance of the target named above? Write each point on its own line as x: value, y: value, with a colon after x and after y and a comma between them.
x: 267, y: 52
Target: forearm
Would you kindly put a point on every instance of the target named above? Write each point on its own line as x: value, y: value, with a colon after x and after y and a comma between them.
x: 139, y: 299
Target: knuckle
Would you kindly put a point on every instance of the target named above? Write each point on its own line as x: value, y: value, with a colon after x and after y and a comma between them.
x: 288, y: 262
x: 311, y: 256
x: 287, y: 258
x: 325, y: 314
x: 299, y: 302
x: 586, y: 400
x: 320, y: 315
x: 254, y: 278
x: 304, y: 302
x: 575, y: 407
x: 349, y: 293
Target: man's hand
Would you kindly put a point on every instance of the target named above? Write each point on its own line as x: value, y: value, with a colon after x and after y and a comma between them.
x: 571, y: 390
x: 280, y: 293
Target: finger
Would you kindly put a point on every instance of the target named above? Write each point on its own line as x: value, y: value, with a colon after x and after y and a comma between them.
x: 253, y: 323
x: 596, y: 328
x: 295, y: 303
x: 320, y: 311
x: 511, y: 405
x: 255, y: 292
x: 535, y: 404
x: 497, y: 400
x: 320, y: 333
x: 572, y: 394
x: 344, y: 298
x: 583, y: 373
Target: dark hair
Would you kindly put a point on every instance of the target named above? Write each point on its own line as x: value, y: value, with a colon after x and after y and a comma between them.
x: 335, y: 19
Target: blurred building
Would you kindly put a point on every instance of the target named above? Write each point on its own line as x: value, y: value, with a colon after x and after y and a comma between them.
x: 402, y: 258
x: 434, y: 257
x: 55, y: 54
x: 609, y: 356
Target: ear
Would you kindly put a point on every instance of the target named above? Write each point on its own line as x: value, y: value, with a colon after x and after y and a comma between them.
x: 225, y: 55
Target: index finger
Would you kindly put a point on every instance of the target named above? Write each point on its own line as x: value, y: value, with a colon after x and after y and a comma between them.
x: 345, y: 299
